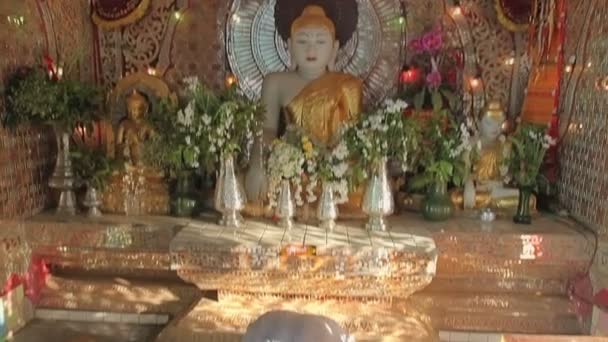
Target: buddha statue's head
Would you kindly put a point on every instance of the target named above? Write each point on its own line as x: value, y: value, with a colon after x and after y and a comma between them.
x: 492, y: 121
x: 312, y: 43
x: 137, y: 106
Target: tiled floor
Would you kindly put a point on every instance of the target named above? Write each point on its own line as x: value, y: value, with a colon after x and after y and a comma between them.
x: 66, y: 331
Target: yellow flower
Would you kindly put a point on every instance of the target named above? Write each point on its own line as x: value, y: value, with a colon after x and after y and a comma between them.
x: 308, y: 147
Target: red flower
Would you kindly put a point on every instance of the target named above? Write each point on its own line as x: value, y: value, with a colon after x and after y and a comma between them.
x: 432, y: 41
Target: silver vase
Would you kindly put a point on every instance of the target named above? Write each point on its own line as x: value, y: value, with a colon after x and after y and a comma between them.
x: 63, y: 177
x: 286, y: 208
x: 327, y: 210
x: 229, y: 197
x: 378, y: 199
x: 92, y: 201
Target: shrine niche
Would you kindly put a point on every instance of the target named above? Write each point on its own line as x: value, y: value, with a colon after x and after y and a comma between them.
x: 113, y: 14
x: 257, y: 45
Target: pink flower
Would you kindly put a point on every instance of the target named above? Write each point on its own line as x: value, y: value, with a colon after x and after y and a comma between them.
x: 433, y: 79
x: 432, y: 41
x: 416, y: 46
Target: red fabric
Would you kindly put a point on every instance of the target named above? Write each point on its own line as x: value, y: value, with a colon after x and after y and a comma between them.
x: 601, y: 299
x: 33, y: 281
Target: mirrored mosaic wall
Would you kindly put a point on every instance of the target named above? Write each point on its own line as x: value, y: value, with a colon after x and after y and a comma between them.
x: 584, y: 114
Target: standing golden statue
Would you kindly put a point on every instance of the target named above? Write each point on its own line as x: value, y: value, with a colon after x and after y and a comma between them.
x: 134, y: 130
x: 137, y: 189
x: 312, y: 97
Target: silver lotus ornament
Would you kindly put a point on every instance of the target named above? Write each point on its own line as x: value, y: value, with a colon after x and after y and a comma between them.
x: 286, y: 208
x: 327, y: 210
x: 92, y: 201
x: 229, y: 197
x: 63, y: 177
x: 378, y: 199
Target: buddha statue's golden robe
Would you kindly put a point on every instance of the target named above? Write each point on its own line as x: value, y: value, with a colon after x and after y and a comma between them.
x: 320, y: 110
x: 325, y: 105
x: 487, y: 167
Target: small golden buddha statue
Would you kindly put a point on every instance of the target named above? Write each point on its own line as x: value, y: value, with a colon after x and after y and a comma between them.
x: 311, y: 97
x: 486, y: 186
x: 138, y: 189
x: 133, y: 130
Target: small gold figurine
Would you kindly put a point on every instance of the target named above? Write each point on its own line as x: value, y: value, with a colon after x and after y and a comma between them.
x: 134, y: 130
x: 138, y: 189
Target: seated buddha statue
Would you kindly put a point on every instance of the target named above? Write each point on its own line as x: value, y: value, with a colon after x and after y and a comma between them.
x: 486, y: 187
x: 311, y: 98
x: 137, y: 188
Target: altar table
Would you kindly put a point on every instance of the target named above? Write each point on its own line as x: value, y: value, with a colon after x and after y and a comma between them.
x: 306, y: 261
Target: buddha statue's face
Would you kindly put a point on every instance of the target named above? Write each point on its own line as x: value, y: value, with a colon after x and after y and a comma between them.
x: 136, y: 109
x: 137, y: 106
x: 491, y: 127
x: 313, y: 48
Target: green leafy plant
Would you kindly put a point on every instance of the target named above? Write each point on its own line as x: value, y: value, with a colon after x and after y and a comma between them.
x: 442, y: 152
x: 34, y: 98
x: 92, y: 166
x: 530, y: 142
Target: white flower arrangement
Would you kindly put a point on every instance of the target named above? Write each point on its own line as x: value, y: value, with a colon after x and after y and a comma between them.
x: 530, y: 143
x: 286, y: 162
x: 217, y: 125
x: 384, y: 133
x: 329, y: 167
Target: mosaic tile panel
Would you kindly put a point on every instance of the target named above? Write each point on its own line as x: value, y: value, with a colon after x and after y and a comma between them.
x: 584, y: 115
x: 27, y: 157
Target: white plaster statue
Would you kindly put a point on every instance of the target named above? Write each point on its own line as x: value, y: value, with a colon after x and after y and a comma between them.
x: 290, y: 326
x: 487, y: 187
x: 312, y: 97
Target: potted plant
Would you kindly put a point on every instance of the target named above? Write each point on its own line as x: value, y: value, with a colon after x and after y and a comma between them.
x: 442, y: 159
x: 385, y: 134
x: 92, y: 169
x: 43, y: 97
x: 529, y: 143
x: 285, y: 170
x: 432, y: 75
x: 175, y: 149
x: 227, y: 123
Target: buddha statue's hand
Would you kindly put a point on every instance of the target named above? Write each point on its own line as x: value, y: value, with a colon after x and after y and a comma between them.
x: 256, y: 184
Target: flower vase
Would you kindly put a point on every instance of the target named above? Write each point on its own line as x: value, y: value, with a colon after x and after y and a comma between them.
x: 522, y: 215
x: 327, y: 210
x: 437, y: 206
x: 285, y: 205
x: 229, y: 197
x: 184, y: 200
x: 63, y: 176
x: 92, y: 201
x: 378, y: 199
